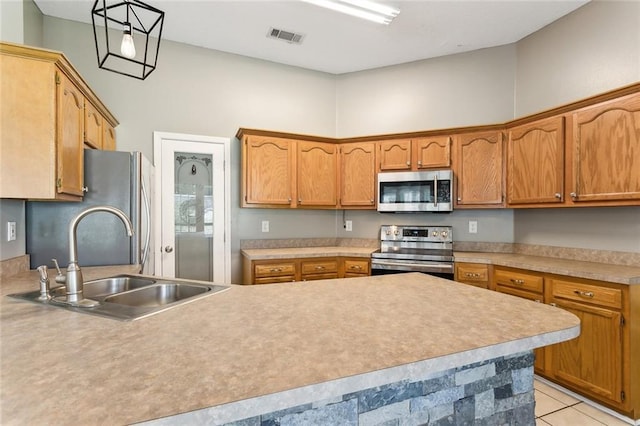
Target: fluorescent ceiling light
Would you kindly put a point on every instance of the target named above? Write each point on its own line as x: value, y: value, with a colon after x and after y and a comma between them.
x: 364, y: 9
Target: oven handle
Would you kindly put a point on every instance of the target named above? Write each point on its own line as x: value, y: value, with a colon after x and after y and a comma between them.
x: 435, y: 190
x: 418, y: 266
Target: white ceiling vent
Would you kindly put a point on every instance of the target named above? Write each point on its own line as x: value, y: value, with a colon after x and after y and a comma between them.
x: 288, y: 36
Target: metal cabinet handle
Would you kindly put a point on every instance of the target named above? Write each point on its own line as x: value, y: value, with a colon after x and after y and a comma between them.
x: 275, y: 270
x: 516, y: 281
x: 472, y: 275
x: 408, y: 163
x: 168, y: 249
x: 553, y: 304
x: 574, y: 195
x: 419, y: 162
x: 588, y: 294
x: 319, y: 268
x: 459, y: 199
x: 558, y: 195
x: 355, y: 267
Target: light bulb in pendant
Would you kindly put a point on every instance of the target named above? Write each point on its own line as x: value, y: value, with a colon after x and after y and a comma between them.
x: 127, y: 48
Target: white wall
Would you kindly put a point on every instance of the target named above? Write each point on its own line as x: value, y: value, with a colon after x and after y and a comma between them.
x: 592, y: 50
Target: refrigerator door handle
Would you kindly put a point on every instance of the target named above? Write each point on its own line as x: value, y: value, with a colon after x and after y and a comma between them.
x: 147, y: 211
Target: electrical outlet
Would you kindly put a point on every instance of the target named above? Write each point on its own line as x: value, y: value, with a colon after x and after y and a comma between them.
x: 265, y: 226
x: 473, y: 226
x: 348, y: 225
x: 11, y: 231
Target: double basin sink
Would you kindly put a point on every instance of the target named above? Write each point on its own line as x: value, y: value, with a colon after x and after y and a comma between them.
x: 129, y: 297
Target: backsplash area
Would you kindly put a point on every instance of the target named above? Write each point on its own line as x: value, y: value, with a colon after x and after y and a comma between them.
x: 587, y: 255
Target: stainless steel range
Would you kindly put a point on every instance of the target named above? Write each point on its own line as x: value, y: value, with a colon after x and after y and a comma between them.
x: 406, y: 248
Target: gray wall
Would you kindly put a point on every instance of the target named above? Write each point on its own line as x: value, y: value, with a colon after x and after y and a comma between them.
x: 12, y: 211
x: 212, y: 93
x: 594, y: 49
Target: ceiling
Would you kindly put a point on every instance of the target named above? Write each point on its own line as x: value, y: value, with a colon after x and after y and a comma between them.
x: 337, y: 43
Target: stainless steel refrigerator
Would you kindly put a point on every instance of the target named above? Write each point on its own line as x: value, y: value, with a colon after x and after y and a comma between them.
x: 119, y: 179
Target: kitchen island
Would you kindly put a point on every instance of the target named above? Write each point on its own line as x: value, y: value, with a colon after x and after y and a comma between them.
x: 361, y: 350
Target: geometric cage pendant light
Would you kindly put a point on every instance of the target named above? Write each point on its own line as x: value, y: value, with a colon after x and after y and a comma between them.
x: 127, y: 35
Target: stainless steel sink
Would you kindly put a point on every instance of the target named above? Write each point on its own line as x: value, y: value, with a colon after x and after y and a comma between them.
x: 158, y: 295
x: 129, y: 297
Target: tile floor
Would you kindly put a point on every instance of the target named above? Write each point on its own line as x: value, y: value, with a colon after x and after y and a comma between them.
x: 557, y: 408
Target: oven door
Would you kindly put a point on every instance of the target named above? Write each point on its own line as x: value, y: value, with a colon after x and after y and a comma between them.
x: 400, y: 192
x: 397, y: 266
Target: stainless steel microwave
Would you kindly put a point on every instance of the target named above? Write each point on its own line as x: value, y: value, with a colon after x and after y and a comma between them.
x: 425, y: 191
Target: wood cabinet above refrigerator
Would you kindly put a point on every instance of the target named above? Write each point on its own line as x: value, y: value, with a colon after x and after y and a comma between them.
x: 45, y: 109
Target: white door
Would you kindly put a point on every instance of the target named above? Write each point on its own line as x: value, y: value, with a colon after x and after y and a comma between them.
x: 193, y: 201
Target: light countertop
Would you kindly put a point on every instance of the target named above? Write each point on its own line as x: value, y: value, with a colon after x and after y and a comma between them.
x: 252, y: 346
x: 590, y: 270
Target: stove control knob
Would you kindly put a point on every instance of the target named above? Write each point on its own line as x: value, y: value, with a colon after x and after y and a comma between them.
x: 444, y: 234
x: 434, y: 233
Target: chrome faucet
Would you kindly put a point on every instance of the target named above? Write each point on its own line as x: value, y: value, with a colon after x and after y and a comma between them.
x: 74, y: 281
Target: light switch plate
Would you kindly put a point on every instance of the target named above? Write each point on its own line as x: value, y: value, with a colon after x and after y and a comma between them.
x: 11, y: 231
x: 265, y: 226
x: 348, y: 225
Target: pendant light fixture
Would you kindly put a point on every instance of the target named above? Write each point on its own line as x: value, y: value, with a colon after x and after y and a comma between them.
x: 127, y: 35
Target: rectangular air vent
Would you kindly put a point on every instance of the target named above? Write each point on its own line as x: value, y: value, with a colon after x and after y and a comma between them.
x: 288, y: 36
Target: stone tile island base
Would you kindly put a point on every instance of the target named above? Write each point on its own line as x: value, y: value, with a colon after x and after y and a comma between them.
x: 492, y: 392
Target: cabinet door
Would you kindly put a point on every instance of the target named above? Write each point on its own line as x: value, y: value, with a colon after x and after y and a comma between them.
x: 432, y: 152
x: 109, y: 137
x: 478, y: 165
x: 395, y: 155
x: 592, y: 361
x: 70, y: 136
x: 93, y: 126
x: 317, y: 174
x: 358, y: 175
x: 606, y: 151
x: 268, y: 165
x: 535, y: 162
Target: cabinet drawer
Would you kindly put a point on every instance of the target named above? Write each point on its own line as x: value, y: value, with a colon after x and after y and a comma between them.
x: 536, y: 297
x: 326, y: 276
x: 275, y: 269
x: 472, y: 273
x: 603, y: 296
x: 272, y: 280
x: 319, y: 266
x: 520, y: 280
x: 356, y: 267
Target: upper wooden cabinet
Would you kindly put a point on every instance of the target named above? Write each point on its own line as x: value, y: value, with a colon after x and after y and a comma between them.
x: 287, y: 173
x: 268, y: 171
x: 605, y: 151
x: 394, y: 155
x: 317, y: 168
x: 414, y: 154
x: 535, y: 162
x: 431, y: 152
x: 358, y: 175
x: 478, y: 166
x: 93, y: 126
x: 43, y: 124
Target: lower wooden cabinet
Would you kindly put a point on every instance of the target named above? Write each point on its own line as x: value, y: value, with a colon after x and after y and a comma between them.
x: 526, y: 285
x: 603, y: 363
x: 304, y: 269
x: 597, y: 362
x: 476, y: 274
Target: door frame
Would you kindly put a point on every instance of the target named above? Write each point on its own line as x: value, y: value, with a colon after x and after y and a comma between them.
x: 158, y: 138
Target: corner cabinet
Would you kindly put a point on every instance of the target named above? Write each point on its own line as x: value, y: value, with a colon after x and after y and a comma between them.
x: 535, y: 163
x: 478, y: 166
x: 605, y: 151
x: 44, y: 119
